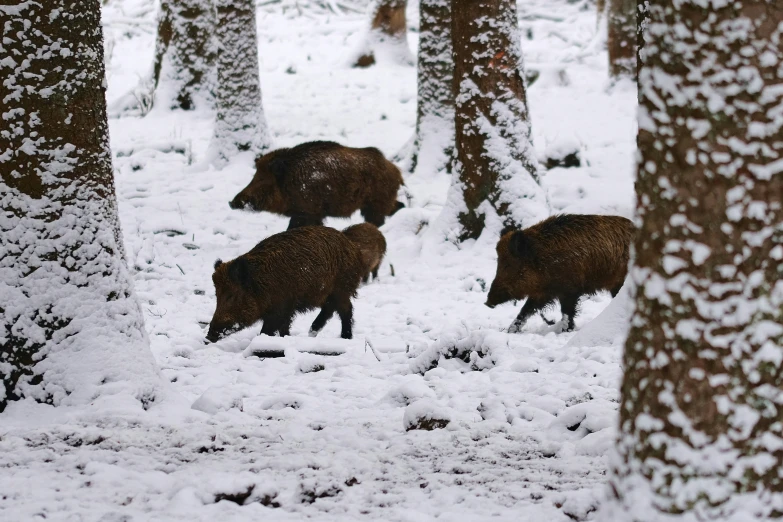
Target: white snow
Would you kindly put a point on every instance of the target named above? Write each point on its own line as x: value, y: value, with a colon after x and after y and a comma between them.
x: 610, y: 327
x: 298, y: 428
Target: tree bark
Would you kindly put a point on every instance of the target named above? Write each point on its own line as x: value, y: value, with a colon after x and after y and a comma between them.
x: 183, y: 68
x: 388, y: 29
x: 434, y: 136
x: 701, y: 430
x: 642, y: 17
x: 185, y: 52
x: 621, y: 40
x: 496, y: 165
x: 240, y: 124
x: 70, y: 327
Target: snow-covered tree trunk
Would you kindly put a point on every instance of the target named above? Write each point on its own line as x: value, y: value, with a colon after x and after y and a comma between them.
x: 621, y: 40
x: 183, y: 68
x: 701, y: 415
x: 70, y: 327
x: 642, y: 15
x: 240, y: 124
x: 433, y: 142
x: 496, y: 168
x: 388, y: 34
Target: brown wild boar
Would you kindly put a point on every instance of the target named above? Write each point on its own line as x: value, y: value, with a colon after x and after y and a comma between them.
x: 321, y: 178
x: 561, y: 258
x: 371, y: 244
x: 285, y: 274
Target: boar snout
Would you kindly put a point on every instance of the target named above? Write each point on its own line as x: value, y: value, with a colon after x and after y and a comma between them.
x: 217, y: 333
x: 236, y: 203
x: 213, y: 336
x: 496, y: 296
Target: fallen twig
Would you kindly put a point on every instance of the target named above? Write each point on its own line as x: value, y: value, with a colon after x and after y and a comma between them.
x: 375, y: 353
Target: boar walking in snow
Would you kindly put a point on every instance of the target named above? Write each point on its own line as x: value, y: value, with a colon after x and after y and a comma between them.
x: 561, y: 258
x: 286, y: 274
x: 371, y: 244
x: 321, y: 178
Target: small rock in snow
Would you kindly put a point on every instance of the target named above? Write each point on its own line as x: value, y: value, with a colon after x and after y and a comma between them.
x: 215, y: 399
x: 425, y: 415
x: 579, y: 504
x: 310, y: 364
x: 413, y: 389
x: 280, y: 402
x: 524, y: 366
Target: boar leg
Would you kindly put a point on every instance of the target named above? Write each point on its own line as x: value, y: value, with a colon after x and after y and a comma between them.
x: 616, y: 290
x: 303, y: 220
x: 345, y: 311
x: 278, y: 321
x: 327, y: 311
x: 568, y: 309
x: 371, y: 215
x: 375, y: 273
x: 530, y: 308
x: 284, y: 326
x: 270, y: 326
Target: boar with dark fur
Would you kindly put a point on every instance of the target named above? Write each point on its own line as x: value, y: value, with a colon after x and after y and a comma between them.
x: 561, y: 258
x: 371, y: 244
x: 321, y: 178
x: 286, y: 274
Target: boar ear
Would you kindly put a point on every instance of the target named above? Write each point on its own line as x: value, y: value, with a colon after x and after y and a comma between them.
x: 520, y: 245
x: 259, y: 165
x: 218, y: 262
x: 239, y: 272
x: 507, y: 229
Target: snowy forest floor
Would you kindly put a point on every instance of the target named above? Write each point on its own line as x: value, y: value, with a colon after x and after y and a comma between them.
x: 321, y: 435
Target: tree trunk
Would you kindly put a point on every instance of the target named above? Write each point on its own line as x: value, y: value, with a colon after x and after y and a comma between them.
x: 183, y: 69
x: 701, y: 436
x: 496, y: 165
x: 434, y: 137
x: 621, y: 39
x: 642, y: 14
x: 388, y: 32
x: 240, y: 124
x: 185, y: 52
x: 70, y: 327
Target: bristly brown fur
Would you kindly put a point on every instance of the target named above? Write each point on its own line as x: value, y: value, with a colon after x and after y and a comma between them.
x: 371, y: 244
x: 561, y: 258
x: 285, y: 274
x: 321, y: 178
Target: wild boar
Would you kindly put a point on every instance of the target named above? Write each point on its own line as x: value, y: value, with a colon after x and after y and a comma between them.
x: 285, y: 274
x: 317, y: 179
x: 561, y: 258
x: 371, y: 244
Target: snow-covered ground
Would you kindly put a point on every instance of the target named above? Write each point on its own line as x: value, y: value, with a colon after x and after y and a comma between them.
x: 294, y: 428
